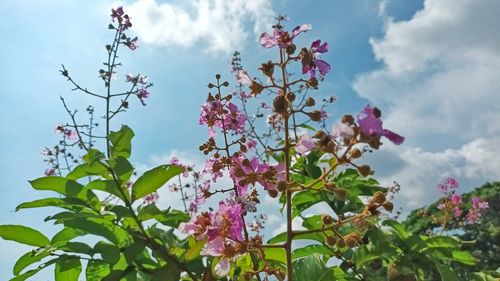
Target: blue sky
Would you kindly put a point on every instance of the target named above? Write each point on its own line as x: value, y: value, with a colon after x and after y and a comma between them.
x: 433, y: 68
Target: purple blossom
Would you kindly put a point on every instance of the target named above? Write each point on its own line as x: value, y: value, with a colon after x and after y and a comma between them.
x: 316, y: 63
x: 371, y: 125
x: 282, y: 38
x: 151, y: 198
x: 305, y: 144
x: 50, y: 172
x: 243, y: 78
x: 223, y: 115
x: 143, y: 94
x: 342, y: 130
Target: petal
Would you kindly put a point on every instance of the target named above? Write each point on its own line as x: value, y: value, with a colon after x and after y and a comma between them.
x: 267, y: 41
x: 393, y: 137
x: 323, y: 66
x: 222, y: 268
x: 315, y: 44
x: 243, y: 77
x: 301, y: 28
x: 323, y: 48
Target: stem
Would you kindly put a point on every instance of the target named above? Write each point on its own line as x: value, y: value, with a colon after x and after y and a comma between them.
x: 289, y: 229
x: 111, y: 65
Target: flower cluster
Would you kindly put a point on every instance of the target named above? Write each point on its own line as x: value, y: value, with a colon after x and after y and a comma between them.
x: 222, y: 114
x: 222, y: 230
x: 454, y: 202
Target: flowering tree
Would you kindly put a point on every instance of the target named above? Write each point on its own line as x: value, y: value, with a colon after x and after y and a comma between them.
x: 295, y: 159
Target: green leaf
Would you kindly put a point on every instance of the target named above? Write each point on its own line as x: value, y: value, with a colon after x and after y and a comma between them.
x: 67, y: 268
x: 276, y: 254
x: 153, y: 179
x: 65, y: 203
x: 304, y: 200
x: 32, y: 272
x: 446, y: 272
x: 121, y: 142
x: 312, y: 268
x: 23, y: 234
x: 101, y: 227
x: 28, y: 259
x: 399, y: 229
x: 109, y: 252
x: 78, y: 247
x: 363, y: 256
x: 108, y: 186
x: 67, y: 187
x: 122, y: 167
x: 96, y: 270
x: 93, y: 155
x: 65, y: 235
x: 310, y: 250
x: 89, y: 169
x: 463, y: 257
x: 194, y: 248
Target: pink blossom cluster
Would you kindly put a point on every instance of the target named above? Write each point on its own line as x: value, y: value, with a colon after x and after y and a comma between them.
x: 222, y: 229
x: 223, y: 115
x: 142, y: 81
x: 454, y: 202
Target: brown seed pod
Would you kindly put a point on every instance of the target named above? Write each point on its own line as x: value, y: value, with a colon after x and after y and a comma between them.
x: 280, y: 104
x: 348, y: 119
x: 315, y: 115
x: 378, y: 197
x: 282, y: 186
x: 310, y: 102
x: 327, y: 219
x: 388, y: 206
x: 340, y: 193
x: 352, y: 239
x: 355, y: 153
x: 364, y: 170
x: 330, y: 240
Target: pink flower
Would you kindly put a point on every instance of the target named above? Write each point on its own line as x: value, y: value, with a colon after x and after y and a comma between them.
x: 456, y: 199
x: 223, y: 115
x: 243, y: 78
x: 457, y: 212
x: 250, y: 144
x: 143, y: 94
x: 322, y: 66
x: 50, y: 172
x: 151, y: 198
x: 282, y: 38
x: 342, y: 130
x: 223, y: 267
x: 371, y: 125
x: 305, y: 144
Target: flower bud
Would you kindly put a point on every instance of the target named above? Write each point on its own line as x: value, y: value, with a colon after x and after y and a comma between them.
x: 290, y: 97
x: 319, y: 134
x: 256, y: 88
x: 282, y: 186
x: 388, y: 206
x: 330, y: 240
x: 313, y: 83
x: 378, y: 197
x: 315, y: 115
x: 355, y: 153
x: 352, y: 239
x: 340, y: 193
x: 310, y: 102
x: 331, y: 147
x: 291, y: 49
x: 273, y: 193
x: 377, y: 113
x: 348, y: 119
x: 327, y: 219
x: 280, y: 104
x: 341, y: 243
x: 364, y: 170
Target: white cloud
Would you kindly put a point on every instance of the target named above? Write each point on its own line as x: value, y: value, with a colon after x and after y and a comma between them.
x: 218, y: 25
x: 418, y: 171
x: 439, y: 85
x: 441, y: 71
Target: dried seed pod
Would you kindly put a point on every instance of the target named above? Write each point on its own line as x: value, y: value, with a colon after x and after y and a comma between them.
x: 352, y: 239
x: 330, y: 240
x: 282, y: 186
x: 355, y: 153
x: 310, y: 102
x: 273, y: 193
x: 348, y: 119
x: 364, y: 170
x: 340, y: 193
x: 327, y: 219
x: 388, y: 206
x: 378, y: 197
x: 315, y: 115
x: 280, y: 104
